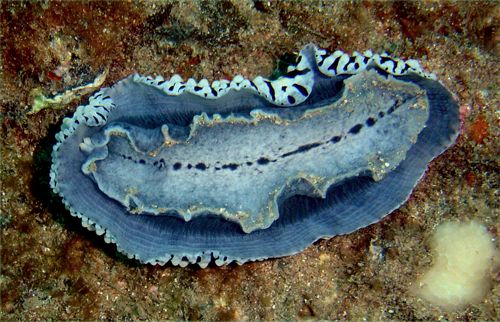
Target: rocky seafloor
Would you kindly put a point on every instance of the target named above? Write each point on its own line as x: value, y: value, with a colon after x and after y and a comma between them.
x: 53, y: 269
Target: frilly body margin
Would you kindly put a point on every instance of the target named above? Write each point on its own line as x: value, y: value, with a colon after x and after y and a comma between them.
x: 289, y: 90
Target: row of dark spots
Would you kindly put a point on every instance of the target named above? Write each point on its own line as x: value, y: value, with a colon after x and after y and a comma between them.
x: 199, y: 166
x: 302, y: 148
x: 229, y: 166
x: 395, y: 106
x: 160, y: 164
x: 335, y: 139
x: 370, y: 121
x: 357, y: 128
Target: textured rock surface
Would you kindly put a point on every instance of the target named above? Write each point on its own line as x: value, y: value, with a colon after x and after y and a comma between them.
x: 52, y: 268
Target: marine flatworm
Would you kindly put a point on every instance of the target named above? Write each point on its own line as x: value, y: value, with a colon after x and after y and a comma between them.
x: 243, y: 170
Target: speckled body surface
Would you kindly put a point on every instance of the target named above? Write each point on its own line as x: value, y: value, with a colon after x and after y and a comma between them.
x: 53, y: 268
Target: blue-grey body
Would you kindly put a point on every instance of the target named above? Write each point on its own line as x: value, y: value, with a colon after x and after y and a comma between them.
x: 261, y: 168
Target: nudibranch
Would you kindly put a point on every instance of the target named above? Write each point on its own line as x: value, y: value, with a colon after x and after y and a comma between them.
x: 242, y: 170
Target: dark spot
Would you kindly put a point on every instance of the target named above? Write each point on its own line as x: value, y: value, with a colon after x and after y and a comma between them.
x: 291, y: 99
x: 323, y: 57
x: 171, y: 88
x: 283, y: 88
x: 271, y: 90
x: 253, y: 85
x: 294, y: 73
x: 201, y: 166
x: 198, y: 88
x: 385, y: 59
x: 370, y: 121
x: 355, y: 129
x: 141, y: 161
x: 189, y: 166
x: 300, y: 149
x: 230, y: 166
x: 177, y: 165
x: 249, y: 163
x: 352, y: 59
x: 263, y: 161
x: 307, y: 147
x: 381, y: 114
x: 299, y: 59
x: 334, y: 65
x: 395, y: 106
x: 335, y: 139
x: 301, y: 89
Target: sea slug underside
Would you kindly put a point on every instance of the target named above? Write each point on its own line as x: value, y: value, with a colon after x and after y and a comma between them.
x: 244, y: 170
